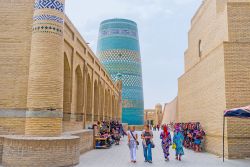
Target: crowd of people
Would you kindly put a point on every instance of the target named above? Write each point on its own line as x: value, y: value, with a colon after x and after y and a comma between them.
x: 156, y: 127
x: 111, y: 131
x: 194, y: 135
x: 188, y: 135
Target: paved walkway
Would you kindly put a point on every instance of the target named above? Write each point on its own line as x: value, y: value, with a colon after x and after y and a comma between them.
x: 118, y: 156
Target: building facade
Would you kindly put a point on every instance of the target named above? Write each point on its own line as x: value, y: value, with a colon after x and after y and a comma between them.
x: 119, y: 51
x: 52, y: 86
x: 153, y: 116
x: 170, y: 112
x: 217, y: 74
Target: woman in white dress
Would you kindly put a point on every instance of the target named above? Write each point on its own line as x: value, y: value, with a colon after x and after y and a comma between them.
x: 132, y: 143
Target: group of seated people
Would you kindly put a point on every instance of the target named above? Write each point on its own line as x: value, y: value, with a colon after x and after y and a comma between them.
x: 108, y: 133
x: 194, y: 135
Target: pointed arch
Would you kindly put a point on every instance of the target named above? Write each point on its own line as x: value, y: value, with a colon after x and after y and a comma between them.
x: 106, y: 105
x: 79, y: 94
x: 109, y: 105
x: 96, y: 101
x: 101, y: 112
x: 113, y: 107
x: 66, y: 90
x: 89, y: 100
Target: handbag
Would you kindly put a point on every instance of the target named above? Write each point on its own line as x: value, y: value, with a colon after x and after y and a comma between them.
x: 174, y: 146
x: 137, y: 143
x: 152, y: 144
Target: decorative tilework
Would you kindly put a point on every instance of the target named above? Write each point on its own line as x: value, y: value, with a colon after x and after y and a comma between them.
x: 132, y: 103
x: 132, y: 93
x: 121, y: 55
x: 123, y: 67
x: 49, y: 4
x: 47, y: 29
x: 118, y: 50
x: 48, y: 17
x: 118, y: 32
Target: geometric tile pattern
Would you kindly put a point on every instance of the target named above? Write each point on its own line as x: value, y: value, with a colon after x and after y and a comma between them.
x: 132, y: 80
x: 132, y: 93
x: 49, y: 4
x: 48, y: 17
x: 118, y: 50
x: 47, y: 29
x: 120, y: 55
x: 45, y: 22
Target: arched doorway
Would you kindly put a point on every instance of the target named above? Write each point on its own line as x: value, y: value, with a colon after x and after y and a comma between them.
x: 115, y: 109
x: 79, y: 94
x: 96, y: 101
x: 89, y: 101
x: 112, y: 107
x: 66, y: 90
x: 106, y: 106
x: 101, y: 112
x: 109, y: 105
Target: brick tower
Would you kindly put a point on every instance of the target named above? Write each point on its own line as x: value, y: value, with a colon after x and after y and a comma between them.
x: 45, y: 85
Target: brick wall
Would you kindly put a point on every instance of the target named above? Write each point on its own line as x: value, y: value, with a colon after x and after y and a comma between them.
x: 14, y: 126
x: 208, y: 25
x: 43, y: 152
x: 38, y: 58
x: 220, y: 78
x: 72, y: 126
x: 86, y: 139
x: 237, y: 58
x: 15, y: 43
x: 15, y: 40
x: 1, y: 148
x: 239, y: 21
x: 201, y: 97
x: 170, y: 112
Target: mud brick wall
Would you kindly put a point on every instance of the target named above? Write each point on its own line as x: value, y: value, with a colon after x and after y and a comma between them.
x: 43, y: 152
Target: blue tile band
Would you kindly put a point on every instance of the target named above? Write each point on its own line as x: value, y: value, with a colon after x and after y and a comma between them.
x: 48, y: 18
x: 49, y: 4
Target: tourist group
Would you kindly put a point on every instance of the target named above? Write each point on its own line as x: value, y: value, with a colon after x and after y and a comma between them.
x: 189, y: 135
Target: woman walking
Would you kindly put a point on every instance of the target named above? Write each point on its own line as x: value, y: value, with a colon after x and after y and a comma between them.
x: 166, y: 141
x: 178, y: 141
x: 132, y: 143
x: 147, y: 136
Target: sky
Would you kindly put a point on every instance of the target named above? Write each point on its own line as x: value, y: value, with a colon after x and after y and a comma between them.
x: 163, y: 27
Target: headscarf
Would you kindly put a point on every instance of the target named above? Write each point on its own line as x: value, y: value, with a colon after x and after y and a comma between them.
x: 177, y: 129
x: 165, y: 130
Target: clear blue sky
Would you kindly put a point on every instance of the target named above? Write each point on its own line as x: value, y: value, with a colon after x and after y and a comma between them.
x: 163, y: 26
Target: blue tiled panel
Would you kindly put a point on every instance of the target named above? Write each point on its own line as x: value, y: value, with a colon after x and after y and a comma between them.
x: 118, y: 42
x: 133, y: 116
x: 49, y: 4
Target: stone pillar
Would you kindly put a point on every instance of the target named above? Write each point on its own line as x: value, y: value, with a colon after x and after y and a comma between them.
x: 45, y: 85
x: 93, y: 97
x: 100, y: 98
x: 85, y: 74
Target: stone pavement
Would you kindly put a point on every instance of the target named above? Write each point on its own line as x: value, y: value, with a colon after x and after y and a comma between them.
x: 118, y: 156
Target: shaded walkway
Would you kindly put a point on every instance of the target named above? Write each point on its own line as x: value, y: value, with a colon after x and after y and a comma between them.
x: 118, y: 156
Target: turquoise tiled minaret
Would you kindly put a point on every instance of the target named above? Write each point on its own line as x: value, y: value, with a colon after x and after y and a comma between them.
x: 119, y: 51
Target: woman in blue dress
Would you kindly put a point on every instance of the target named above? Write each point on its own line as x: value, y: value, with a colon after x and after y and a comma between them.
x: 178, y: 141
